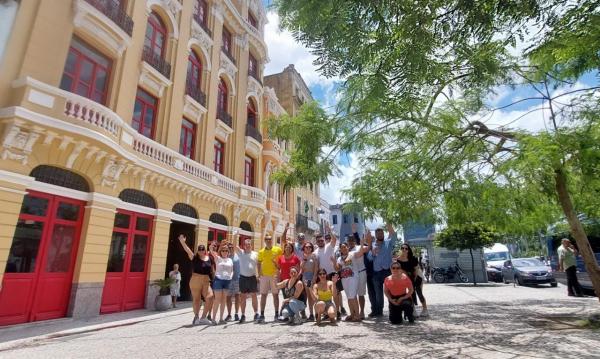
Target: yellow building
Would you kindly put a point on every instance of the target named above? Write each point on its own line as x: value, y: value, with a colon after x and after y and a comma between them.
x: 123, y: 124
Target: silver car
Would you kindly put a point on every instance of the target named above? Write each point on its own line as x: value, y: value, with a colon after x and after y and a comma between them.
x: 525, y: 271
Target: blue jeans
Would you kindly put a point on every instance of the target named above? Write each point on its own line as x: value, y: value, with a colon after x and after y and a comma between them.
x: 294, y: 307
x: 378, y: 278
x: 371, y: 292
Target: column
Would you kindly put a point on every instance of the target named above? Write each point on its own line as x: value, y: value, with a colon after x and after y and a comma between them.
x: 158, y: 256
x: 11, y: 197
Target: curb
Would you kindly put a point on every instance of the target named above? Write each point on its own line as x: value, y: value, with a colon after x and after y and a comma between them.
x: 34, y: 340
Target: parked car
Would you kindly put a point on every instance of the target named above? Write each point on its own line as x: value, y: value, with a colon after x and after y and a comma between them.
x: 494, y: 274
x: 525, y: 271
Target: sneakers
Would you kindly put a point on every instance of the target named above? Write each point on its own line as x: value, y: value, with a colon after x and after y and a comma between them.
x: 209, y: 318
x: 372, y: 315
x: 236, y: 317
x: 196, y: 320
x: 204, y: 321
x: 256, y: 317
x: 343, y: 311
x: 339, y: 316
x: 242, y: 319
x: 311, y: 318
x: 424, y: 313
x: 276, y: 316
x: 212, y: 322
x: 303, y: 315
x: 261, y: 319
x: 227, y: 318
x: 281, y: 318
x: 222, y: 321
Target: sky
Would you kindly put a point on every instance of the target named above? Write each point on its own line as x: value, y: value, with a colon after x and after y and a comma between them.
x: 284, y: 50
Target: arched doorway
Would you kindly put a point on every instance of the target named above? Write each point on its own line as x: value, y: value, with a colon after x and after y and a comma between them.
x: 127, y: 267
x: 244, y: 226
x: 175, y: 253
x: 215, y: 233
x: 39, y: 270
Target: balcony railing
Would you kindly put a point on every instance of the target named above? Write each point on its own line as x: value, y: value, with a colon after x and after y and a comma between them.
x: 256, y: 77
x: 253, y: 132
x: 115, y: 13
x: 301, y: 221
x: 203, y: 25
x: 196, y: 94
x: 225, y: 117
x: 229, y: 55
x: 156, y: 61
x: 92, y: 118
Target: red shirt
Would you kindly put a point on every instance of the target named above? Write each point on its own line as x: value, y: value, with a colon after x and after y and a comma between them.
x: 286, y: 264
x: 398, y: 287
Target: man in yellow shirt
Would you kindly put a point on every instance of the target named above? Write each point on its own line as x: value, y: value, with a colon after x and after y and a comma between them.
x: 268, y: 275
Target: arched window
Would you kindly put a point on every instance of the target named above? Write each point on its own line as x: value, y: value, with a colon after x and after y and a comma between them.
x: 251, y: 114
x: 60, y: 177
x: 222, y: 98
x: 156, y: 34
x: 135, y: 196
x: 218, y: 219
x: 194, y: 71
x: 185, y: 210
x: 245, y: 226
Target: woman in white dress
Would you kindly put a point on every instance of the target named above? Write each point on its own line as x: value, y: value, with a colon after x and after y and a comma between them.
x: 175, y: 274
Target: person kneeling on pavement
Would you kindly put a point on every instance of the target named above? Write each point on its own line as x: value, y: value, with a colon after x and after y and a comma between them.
x: 295, y: 297
x: 398, y: 289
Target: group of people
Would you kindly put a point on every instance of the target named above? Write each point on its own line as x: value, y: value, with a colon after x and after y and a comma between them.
x: 311, y: 279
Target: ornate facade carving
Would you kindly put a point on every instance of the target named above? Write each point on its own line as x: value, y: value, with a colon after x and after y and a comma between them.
x: 18, y: 143
x: 112, y: 171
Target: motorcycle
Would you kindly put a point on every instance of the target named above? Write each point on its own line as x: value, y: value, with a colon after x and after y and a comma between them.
x: 445, y: 275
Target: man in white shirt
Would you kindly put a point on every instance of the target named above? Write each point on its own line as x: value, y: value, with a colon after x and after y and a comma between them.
x: 248, y: 278
x: 353, y: 239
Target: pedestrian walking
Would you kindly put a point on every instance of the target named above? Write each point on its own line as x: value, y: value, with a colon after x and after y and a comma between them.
x: 567, y: 262
x: 268, y: 276
x: 382, y: 259
x: 175, y: 287
x: 202, y: 271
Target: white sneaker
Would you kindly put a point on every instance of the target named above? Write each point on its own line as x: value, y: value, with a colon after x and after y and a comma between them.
x: 424, y: 313
x: 196, y: 320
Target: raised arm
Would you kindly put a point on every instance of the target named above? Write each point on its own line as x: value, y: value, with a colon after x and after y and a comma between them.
x: 185, y: 246
x: 212, y: 249
x: 284, y: 235
x: 333, y: 236
x: 392, y: 235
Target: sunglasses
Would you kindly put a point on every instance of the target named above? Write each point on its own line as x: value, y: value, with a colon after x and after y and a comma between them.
x: 322, y: 273
x: 395, y: 268
x: 225, y: 251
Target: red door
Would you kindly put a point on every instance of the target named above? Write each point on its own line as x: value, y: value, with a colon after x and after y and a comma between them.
x: 39, y: 270
x: 126, y: 272
x: 217, y: 235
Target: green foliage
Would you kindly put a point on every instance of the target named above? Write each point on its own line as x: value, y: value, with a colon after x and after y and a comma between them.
x: 163, y: 285
x: 468, y: 236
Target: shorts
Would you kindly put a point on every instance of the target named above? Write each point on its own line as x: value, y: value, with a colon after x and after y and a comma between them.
x: 351, y: 286
x: 329, y: 304
x: 248, y: 284
x: 234, y: 287
x: 200, y: 286
x: 268, y: 283
x: 339, y: 286
x: 221, y: 284
x: 362, y: 283
x: 308, y: 278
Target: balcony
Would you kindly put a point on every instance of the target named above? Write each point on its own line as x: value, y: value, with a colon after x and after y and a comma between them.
x: 256, y: 77
x: 115, y: 13
x: 50, y: 116
x: 229, y: 55
x: 157, y: 62
x: 203, y: 25
x: 196, y: 94
x: 253, y: 132
x: 225, y: 117
x: 301, y: 221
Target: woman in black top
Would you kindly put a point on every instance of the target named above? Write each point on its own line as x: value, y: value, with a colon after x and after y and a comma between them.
x: 202, y: 269
x: 410, y: 264
x: 295, y: 297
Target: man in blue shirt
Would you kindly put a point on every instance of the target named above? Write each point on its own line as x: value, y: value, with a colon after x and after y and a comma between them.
x: 382, y: 260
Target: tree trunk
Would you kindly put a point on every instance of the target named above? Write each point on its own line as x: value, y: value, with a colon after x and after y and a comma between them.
x: 473, y: 268
x: 577, y: 231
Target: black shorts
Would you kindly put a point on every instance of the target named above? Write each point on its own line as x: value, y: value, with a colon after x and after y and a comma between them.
x: 248, y: 284
x: 338, y: 284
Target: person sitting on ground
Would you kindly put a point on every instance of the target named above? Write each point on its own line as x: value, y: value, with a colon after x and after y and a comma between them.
x: 202, y: 270
x: 294, y: 297
x: 398, y: 289
x: 324, y: 291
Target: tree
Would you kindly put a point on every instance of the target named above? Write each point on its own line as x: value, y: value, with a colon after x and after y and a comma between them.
x: 413, y: 106
x: 471, y: 236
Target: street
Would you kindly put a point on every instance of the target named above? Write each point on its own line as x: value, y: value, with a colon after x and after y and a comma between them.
x: 487, y: 321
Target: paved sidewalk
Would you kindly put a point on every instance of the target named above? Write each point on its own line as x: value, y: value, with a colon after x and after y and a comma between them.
x: 489, y: 321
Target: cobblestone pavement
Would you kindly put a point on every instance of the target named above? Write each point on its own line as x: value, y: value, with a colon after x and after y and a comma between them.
x: 488, y: 321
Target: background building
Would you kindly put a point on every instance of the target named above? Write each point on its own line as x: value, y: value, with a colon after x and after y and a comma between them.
x: 124, y: 123
x: 342, y: 221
